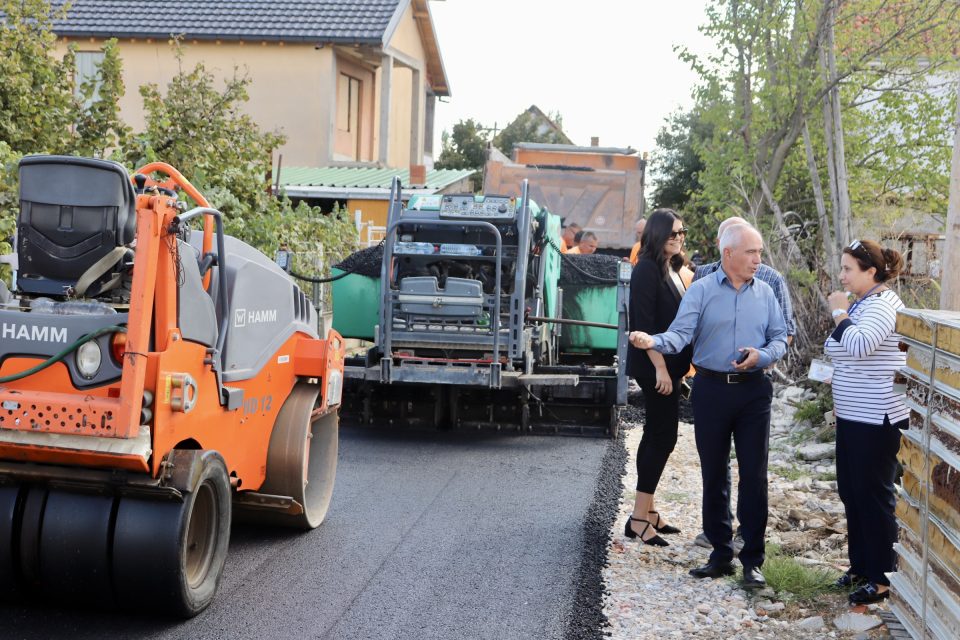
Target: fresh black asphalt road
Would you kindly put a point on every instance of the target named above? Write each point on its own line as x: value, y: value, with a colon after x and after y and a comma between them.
x: 429, y: 535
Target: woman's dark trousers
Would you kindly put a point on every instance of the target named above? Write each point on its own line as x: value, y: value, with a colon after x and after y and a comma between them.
x: 659, y: 433
x: 866, y: 468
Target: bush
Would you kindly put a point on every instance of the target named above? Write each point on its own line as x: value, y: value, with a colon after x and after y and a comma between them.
x: 812, y: 410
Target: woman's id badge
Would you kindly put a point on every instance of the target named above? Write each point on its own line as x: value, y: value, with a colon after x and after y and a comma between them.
x: 820, y: 370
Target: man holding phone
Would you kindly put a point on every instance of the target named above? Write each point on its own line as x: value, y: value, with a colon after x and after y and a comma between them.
x: 737, y: 329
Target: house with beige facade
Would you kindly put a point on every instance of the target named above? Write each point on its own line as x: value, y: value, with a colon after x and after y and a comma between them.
x: 348, y: 82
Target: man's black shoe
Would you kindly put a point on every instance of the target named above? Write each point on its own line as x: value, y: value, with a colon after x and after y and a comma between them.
x: 713, y: 570
x: 753, y: 579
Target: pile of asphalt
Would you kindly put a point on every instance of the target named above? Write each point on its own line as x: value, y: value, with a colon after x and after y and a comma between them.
x: 586, y: 620
x: 595, y: 269
x: 365, y: 262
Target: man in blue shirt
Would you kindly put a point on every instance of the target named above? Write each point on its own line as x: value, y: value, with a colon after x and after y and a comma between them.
x: 776, y: 281
x: 737, y: 329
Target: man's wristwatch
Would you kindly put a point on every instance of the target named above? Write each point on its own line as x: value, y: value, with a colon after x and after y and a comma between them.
x: 836, y: 313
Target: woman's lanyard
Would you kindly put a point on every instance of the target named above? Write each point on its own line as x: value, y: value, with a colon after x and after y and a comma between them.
x: 865, y: 296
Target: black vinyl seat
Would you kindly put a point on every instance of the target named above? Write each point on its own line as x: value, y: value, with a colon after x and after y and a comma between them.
x: 73, y: 212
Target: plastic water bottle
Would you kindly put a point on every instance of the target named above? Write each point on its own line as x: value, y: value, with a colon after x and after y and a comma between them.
x: 460, y: 249
x: 413, y: 248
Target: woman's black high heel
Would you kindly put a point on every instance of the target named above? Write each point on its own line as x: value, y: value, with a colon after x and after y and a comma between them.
x: 655, y: 541
x: 667, y: 528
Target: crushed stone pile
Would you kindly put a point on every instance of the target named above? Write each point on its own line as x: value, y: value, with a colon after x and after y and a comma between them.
x: 572, y: 268
x: 365, y: 262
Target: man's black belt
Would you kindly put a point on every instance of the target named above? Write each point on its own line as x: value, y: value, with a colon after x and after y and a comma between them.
x: 733, y: 377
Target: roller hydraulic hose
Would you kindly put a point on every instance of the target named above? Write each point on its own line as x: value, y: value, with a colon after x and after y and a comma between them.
x: 63, y: 354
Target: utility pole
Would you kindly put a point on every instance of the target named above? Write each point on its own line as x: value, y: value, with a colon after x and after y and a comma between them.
x: 950, y: 281
x: 643, y: 185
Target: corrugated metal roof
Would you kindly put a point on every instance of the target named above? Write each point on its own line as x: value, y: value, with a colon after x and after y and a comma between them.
x: 350, y: 21
x: 366, y: 177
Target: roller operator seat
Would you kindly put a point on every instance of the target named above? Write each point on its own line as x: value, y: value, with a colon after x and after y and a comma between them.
x: 73, y: 212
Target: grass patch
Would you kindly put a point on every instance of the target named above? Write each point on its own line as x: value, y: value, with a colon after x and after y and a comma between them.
x: 828, y: 476
x: 794, y: 581
x: 789, y: 473
x: 813, y: 410
x: 673, y: 496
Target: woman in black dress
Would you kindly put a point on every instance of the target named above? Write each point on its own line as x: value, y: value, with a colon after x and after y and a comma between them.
x: 655, y: 293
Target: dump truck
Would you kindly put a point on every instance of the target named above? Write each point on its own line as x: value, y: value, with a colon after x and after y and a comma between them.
x: 599, y: 188
x: 154, y: 383
x: 465, y: 313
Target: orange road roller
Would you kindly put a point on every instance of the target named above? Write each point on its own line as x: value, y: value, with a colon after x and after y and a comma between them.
x: 157, y: 379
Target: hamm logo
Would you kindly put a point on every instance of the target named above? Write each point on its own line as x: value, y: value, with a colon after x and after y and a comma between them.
x: 33, y: 333
x: 242, y: 317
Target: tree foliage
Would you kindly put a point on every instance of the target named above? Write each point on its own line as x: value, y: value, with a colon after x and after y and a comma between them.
x: 203, y: 132
x: 771, y: 83
x: 37, y: 104
x: 765, y: 81
x: 190, y: 124
x: 99, y: 128
x: 530, y: 126
x: 465, y: 147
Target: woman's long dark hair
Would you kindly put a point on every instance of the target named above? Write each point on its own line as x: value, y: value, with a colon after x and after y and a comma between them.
x: 655, y: 237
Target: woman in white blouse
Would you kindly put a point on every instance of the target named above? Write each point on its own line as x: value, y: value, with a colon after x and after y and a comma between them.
x: 865, y: 351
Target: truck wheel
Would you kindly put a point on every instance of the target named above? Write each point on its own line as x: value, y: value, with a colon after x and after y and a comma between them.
x: 169, y: 556
x: 302, y: 460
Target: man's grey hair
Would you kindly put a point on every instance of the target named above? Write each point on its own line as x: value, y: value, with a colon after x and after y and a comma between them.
x: 729, y: 222
x: 733, y: 236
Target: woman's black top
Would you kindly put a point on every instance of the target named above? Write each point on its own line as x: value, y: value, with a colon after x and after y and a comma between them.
x: 654, y: 301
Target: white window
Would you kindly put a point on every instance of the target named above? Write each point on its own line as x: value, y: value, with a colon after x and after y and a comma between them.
x: 88, y: 68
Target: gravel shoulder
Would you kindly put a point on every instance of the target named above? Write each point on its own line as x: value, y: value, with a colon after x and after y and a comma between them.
x: 648, y: 592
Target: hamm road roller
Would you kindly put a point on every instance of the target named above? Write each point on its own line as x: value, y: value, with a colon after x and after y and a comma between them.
x: 153, y: 384
x: 469, y: 323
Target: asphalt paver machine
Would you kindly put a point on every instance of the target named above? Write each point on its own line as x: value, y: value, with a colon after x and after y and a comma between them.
x: 466, y: 323
x: 153, y: 384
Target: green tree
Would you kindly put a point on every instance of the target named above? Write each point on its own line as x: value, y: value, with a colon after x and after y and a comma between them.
x: 99, y: 128
x: 37, y: 106
x: 203, y: 132
x: 766, y: 81
x: 676, y: 164
x: 465, y: 147
x: 675, y: 171
x: 530, y: 126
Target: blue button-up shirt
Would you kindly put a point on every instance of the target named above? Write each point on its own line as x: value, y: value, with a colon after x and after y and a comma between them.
x: 720, y: 320
x: 773, y: 278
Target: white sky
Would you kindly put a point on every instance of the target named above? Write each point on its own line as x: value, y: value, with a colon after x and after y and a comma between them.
x: 607, y: 66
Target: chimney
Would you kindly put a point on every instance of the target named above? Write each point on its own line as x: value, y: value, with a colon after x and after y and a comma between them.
x: 595, y: 141
x: 418, y: 174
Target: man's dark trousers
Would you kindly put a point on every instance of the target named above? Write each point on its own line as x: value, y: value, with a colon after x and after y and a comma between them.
x: 743, y: 411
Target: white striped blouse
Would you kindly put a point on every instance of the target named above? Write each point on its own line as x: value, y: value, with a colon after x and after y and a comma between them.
x: 865, y: 354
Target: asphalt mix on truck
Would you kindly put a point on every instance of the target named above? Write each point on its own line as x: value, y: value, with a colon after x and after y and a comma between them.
x: 429, y: 535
